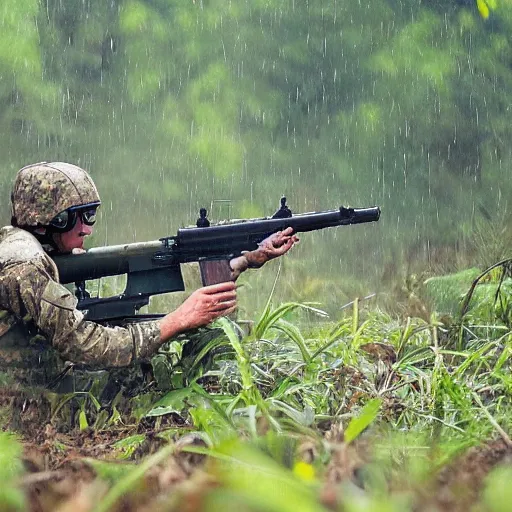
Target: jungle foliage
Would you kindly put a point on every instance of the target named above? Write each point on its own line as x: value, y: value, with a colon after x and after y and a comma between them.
x: 363, y: 413
x: 177, y: 104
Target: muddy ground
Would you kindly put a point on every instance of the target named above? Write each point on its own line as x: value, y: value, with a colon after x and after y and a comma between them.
x: 62, y: 475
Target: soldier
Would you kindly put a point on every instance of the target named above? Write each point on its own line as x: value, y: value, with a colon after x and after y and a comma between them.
x: 53, y: 209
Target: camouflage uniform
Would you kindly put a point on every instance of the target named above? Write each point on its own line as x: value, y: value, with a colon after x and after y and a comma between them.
x: 40, y: 327
x: 33, y: 302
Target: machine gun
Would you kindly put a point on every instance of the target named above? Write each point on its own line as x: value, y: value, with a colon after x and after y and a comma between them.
x: 154, y: 267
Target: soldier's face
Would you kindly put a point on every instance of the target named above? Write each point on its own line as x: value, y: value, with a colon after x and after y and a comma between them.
x: 73, y: 239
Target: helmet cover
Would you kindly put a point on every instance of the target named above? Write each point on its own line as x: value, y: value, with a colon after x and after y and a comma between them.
x: 43, y: 190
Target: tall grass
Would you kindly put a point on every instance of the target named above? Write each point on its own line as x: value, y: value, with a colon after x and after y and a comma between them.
x: 336, y: 414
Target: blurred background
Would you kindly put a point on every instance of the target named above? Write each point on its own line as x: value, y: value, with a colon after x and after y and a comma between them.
x: 172, y: 105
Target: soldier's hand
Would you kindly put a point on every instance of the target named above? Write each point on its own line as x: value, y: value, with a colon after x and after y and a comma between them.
x: 272, y: 247
x: 278, y: 243
x: 201, y: 308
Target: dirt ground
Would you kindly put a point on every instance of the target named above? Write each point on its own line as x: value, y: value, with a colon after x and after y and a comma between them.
x: 61, y: 475
x: 459, y: 484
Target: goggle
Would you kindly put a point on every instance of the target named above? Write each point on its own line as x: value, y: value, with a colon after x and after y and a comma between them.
x: 66, y: 220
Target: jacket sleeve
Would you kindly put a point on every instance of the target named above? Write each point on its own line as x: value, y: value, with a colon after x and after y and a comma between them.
x: 52, y: 307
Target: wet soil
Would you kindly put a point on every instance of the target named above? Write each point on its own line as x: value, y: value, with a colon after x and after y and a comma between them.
x: 459, y: 485
x: 66, y: 472
x: 61, y: 473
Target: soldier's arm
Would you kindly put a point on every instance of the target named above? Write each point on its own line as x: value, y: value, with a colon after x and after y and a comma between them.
x: 53, y: 309
x: 273, y: 246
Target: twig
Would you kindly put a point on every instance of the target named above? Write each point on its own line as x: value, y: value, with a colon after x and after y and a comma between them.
x: 468, y: 296
x: 360, y: 299
x: 43, y: 476
x: 493, y: 422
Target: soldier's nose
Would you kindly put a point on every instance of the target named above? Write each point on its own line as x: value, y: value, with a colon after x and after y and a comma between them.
x: 87, y: 230
x: 84, y: 228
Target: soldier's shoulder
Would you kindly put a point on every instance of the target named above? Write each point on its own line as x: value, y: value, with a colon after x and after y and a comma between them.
x: 18, y: 246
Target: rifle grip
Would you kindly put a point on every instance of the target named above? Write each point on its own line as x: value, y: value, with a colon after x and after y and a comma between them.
x: 215, y: 271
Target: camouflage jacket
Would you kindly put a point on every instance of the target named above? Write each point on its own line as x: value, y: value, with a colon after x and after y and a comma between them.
x: 40, y: 327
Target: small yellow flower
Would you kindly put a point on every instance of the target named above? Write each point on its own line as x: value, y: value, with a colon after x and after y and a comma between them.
x: 485, y: 7
x: 304, y: 471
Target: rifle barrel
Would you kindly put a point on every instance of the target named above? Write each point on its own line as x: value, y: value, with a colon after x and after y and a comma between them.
x: 256, y: 230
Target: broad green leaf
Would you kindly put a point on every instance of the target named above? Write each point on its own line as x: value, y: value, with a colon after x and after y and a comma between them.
x: 173, y: 402
x: 363, y: 420
x: 82, y: 418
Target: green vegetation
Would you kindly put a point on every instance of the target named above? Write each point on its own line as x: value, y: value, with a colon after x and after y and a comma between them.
x: 11, y: 467
x: 364, y: 412
x: 404, y: 104
x: 370, y: 405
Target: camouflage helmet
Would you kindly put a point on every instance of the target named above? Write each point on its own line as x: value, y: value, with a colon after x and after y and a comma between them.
x: 43, y: 190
